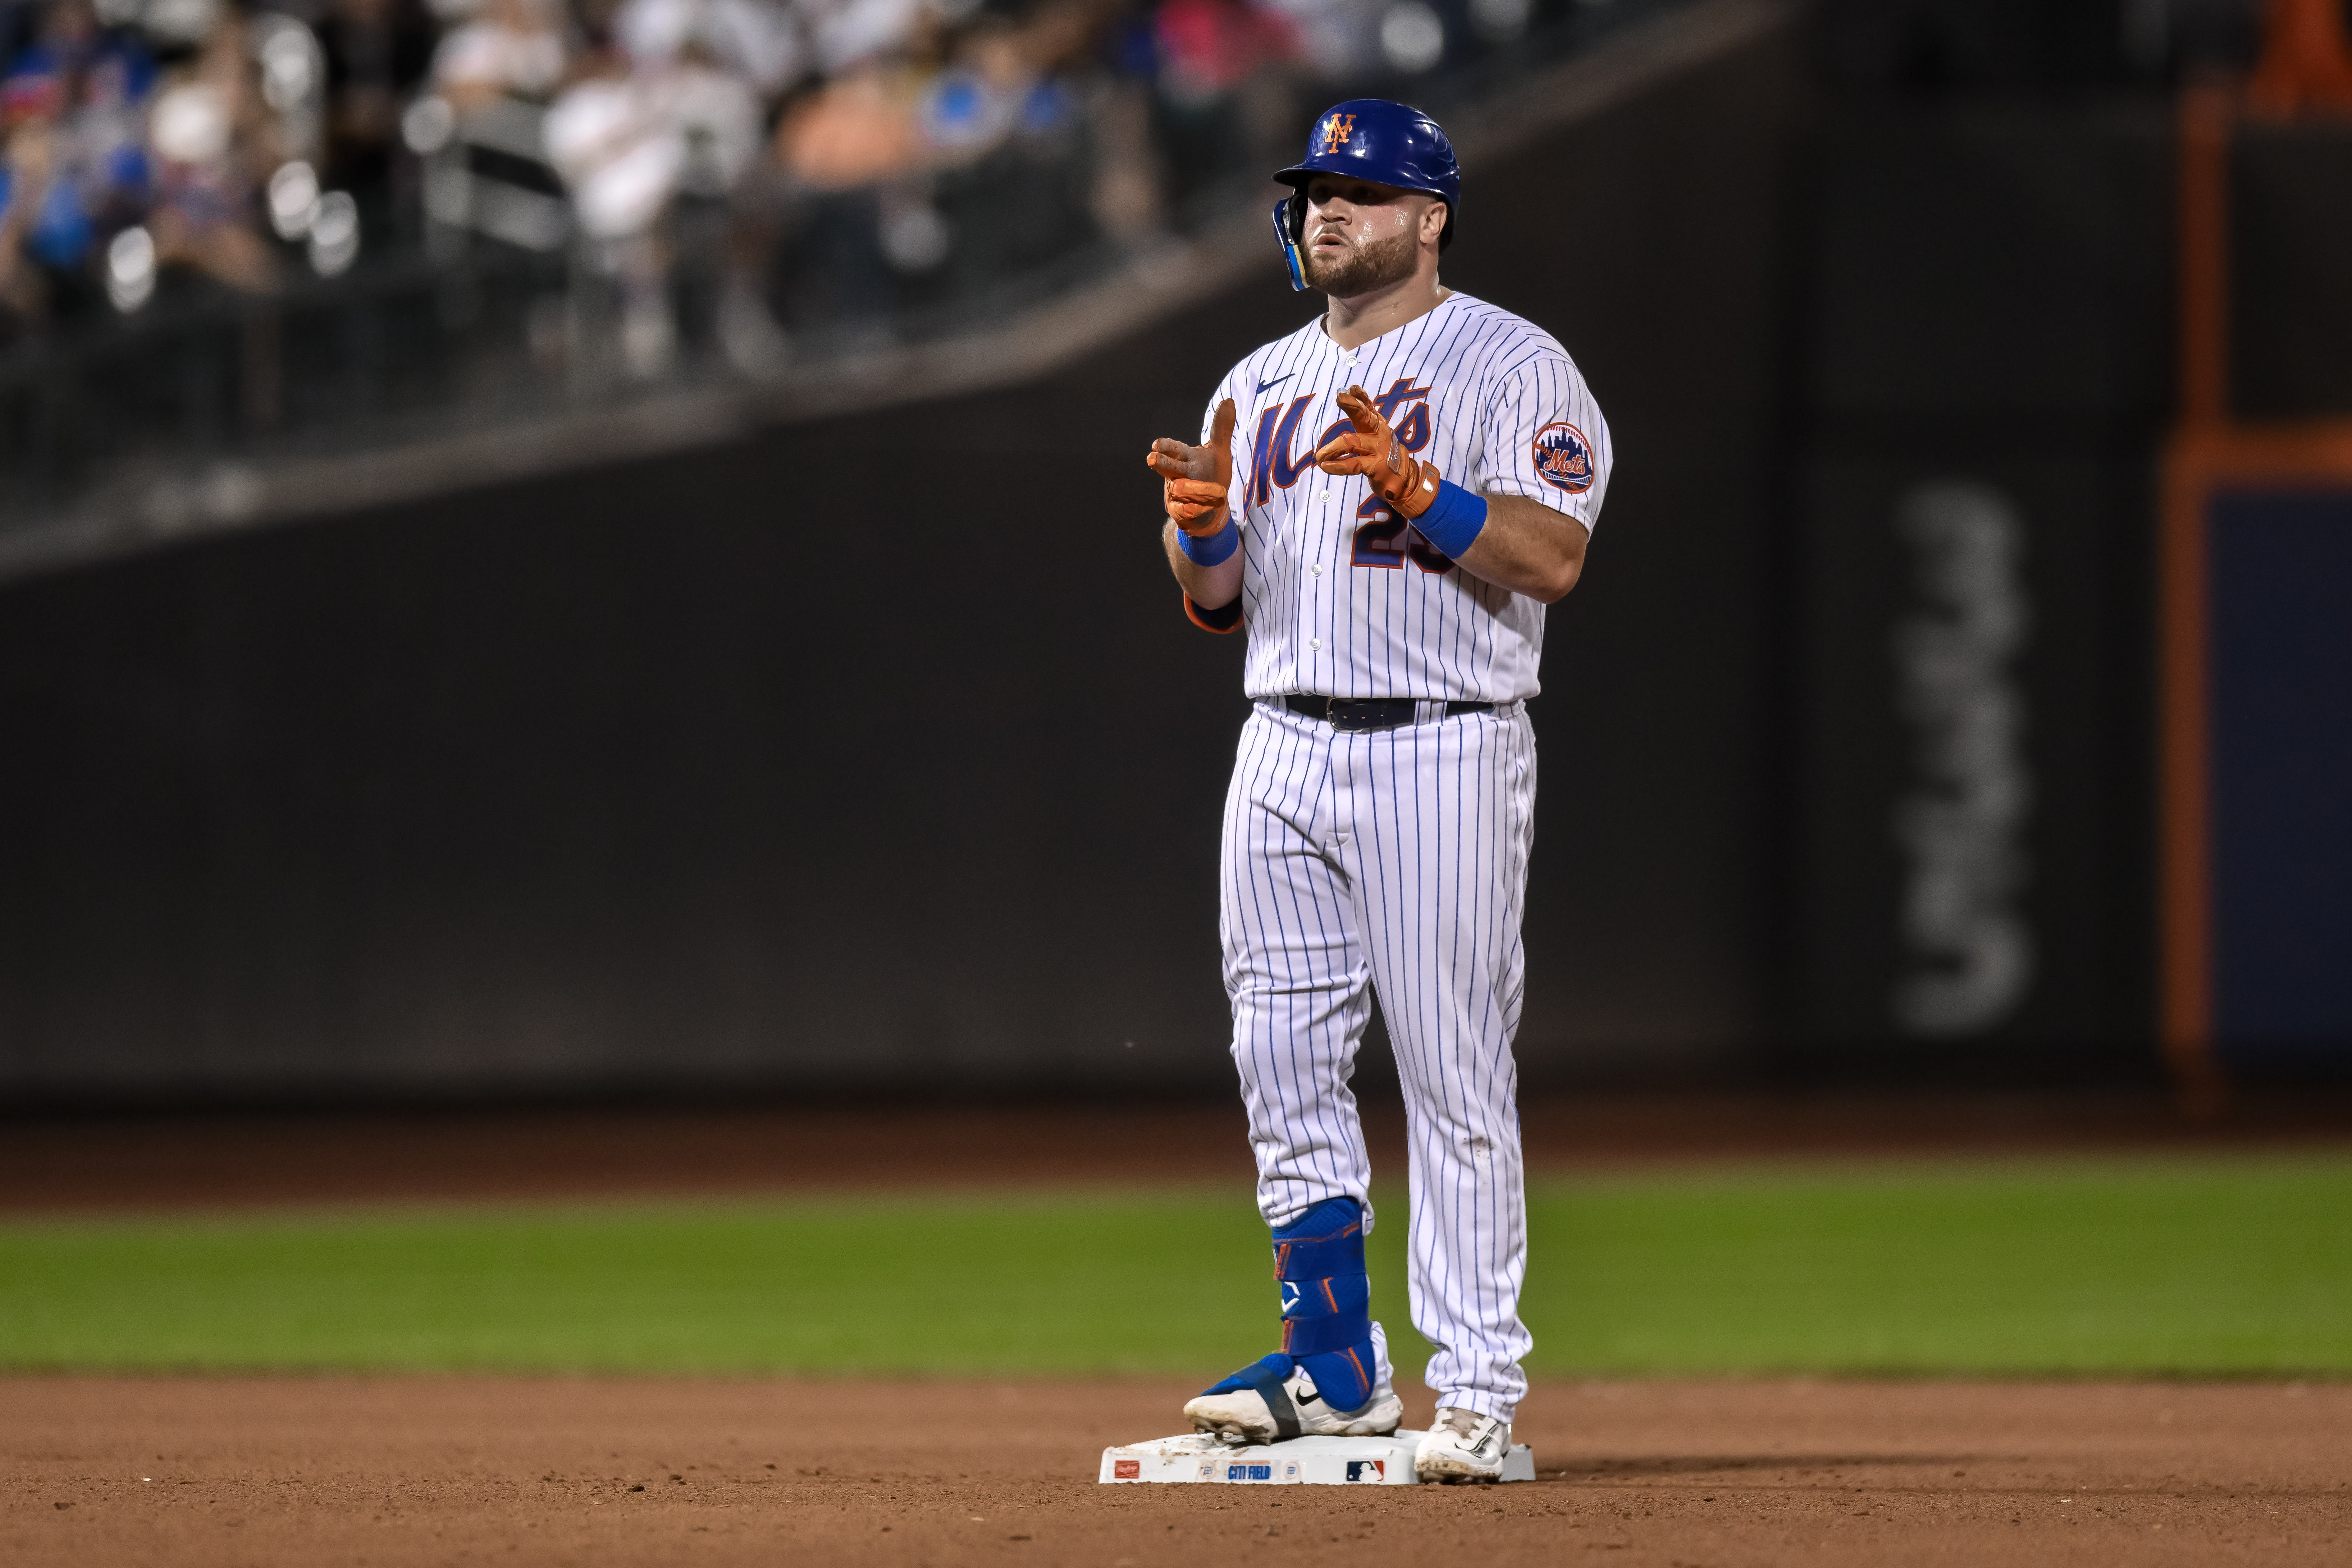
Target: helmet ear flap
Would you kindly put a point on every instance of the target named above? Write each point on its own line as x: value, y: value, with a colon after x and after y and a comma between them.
x: 1289, y: 230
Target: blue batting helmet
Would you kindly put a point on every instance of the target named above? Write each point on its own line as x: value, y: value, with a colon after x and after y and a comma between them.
x: 1372, y: 139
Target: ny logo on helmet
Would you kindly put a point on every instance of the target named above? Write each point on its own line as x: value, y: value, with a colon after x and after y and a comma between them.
x: 1336, y: 131
x: 1564, y: 457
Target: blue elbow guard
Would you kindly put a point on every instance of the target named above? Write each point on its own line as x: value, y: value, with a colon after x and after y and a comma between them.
x: 1327, y: 1321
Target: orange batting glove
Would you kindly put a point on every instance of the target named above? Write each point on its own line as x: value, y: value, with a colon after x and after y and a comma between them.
x: 1372, y: 449
x: 1195, y: 478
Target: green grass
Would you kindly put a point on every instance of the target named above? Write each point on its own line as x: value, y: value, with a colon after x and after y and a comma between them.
x: 2204, y: 1267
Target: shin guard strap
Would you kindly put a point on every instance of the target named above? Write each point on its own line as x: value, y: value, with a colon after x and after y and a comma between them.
x: 1328, y: 1239
x: 1304, y: 1337
x: 1277, y: 1399
x: 1320, y: 1257
x: 1267, y: 1376
x: 1323, y: 1315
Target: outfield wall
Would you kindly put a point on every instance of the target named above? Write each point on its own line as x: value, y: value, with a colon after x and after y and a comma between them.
x: 875, y: 749
x: 873, y: 752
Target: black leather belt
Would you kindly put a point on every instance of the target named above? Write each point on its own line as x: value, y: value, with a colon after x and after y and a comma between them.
x: 1369, y: 712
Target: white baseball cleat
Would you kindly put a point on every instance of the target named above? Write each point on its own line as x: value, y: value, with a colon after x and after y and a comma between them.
x: 1273, y: 1409
x: 1461, y: 1445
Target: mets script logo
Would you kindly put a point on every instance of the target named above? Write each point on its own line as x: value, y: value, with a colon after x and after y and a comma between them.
x: 1564, y: 457
x: 1336, y: 131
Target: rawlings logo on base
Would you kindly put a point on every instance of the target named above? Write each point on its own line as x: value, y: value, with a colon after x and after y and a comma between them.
x: 1564, y: 457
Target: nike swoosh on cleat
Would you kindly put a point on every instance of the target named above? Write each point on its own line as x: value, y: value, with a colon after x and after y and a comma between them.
x: 1277, y: 381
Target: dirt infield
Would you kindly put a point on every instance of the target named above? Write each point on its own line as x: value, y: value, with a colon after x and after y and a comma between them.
x: 381, y: 1472
x: 99, y: 1472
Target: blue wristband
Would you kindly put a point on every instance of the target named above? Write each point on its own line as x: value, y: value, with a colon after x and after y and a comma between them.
x: 1209, y: 551
x: 1453, y: 521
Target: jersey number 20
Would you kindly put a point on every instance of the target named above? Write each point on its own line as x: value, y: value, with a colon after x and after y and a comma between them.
x: 1376, y: 542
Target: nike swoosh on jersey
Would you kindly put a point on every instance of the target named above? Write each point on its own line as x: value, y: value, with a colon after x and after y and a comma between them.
x: 1277, y: 381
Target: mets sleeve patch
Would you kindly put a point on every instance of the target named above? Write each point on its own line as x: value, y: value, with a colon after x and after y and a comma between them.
x: 1564, y: 457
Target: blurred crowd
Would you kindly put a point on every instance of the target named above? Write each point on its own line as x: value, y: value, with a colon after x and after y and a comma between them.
x: 727, y: 170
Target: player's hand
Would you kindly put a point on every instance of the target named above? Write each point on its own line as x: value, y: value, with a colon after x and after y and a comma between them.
x: 1372, y: 449
x: 1195, y: 478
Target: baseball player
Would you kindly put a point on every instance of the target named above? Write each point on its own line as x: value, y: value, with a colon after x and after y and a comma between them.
x: 1387, y: 499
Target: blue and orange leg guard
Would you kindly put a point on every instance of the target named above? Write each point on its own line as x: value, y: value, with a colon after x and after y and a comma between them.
x: 1327, y: 1321
x: 1327, y: 1300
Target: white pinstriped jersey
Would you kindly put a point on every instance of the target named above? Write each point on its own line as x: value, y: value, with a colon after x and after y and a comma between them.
x: 1341, y: 597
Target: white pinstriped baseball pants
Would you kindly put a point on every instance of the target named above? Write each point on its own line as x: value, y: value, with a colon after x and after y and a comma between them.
x: 1394, y: 858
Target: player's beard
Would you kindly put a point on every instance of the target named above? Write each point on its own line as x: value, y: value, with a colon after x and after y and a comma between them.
x: 1372, y: 265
